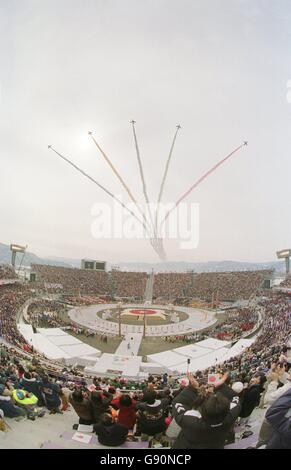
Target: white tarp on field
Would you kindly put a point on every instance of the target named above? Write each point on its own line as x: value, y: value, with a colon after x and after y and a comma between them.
x: 43, y: 345
x: 238, y: 348
x: 112, y: 364
x: 151, y: 368
x: 87, y: 361
x: 203, y: 362
x: 51, y: 331
x: 64, y: 340
x: 166, y: 358
x: 212, y: 343
x: 79, y: 350
x: 202, y: 352
x: 58, y: 345
x: 192, y: 351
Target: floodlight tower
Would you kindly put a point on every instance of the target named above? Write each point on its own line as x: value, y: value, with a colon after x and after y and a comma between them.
x: 285, y: 254
x: 14, y: 250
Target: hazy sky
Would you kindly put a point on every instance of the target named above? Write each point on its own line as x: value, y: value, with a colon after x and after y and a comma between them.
x: 218, y: 67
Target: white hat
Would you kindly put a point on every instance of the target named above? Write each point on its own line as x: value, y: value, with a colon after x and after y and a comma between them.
x: 238, y: 387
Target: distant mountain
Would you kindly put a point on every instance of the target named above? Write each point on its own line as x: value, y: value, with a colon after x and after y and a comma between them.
x: 178, y: 266
x: 5, y: 258
x: 209, y: 266
x: 72, y: 262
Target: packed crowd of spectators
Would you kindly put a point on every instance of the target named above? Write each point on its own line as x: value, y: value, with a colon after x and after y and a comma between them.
x: 7, y: 272
x: 72, y: 280
x: 12, y: 297
x: 267, y: 348
x: 212, y: 286
x: 129, y: 284
x: 82, y: 300
x: 193, y: 412
x: 45, y: 305
x: 238, y: 322
x: 228, y: 286
x: 187, y: 413
x: 51, y: 314
x: 202, y: 415
x: 286, y: 283
x: 168, y: 287
x: 46, y: 319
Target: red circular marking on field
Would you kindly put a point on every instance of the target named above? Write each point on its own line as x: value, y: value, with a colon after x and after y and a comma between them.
x: 143, y: 311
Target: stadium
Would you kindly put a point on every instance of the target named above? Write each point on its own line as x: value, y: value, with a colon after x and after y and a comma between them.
x: 145, y: 287
x: 128, y: 332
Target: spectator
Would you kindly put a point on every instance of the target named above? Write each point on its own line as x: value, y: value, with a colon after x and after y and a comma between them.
x: 109, y: 432
x: 52, y: 395
x: 151, y: 415
x: 251, y: 398
x: 32, y: 385
x: 225, y: 389
x: 127, y: 410
x: 280, y: 419
x: 273, y: 392
x: 208, y: 426
x: 83, y: 407
x: 100, y: 404
x: 28, y: 402
x: 8, y: 407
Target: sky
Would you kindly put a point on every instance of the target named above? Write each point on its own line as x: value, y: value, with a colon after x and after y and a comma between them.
x: 217, y: 67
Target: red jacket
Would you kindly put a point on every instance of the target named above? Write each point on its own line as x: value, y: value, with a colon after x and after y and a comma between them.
x: 127, y: 414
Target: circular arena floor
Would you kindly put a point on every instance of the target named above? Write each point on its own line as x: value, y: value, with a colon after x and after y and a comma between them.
x: 197, y: 319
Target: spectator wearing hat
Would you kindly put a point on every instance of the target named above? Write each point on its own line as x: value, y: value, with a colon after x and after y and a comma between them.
x: 237, y: 388
x: 151, y: 415
x: 32, y: 385
x: 7, y: 405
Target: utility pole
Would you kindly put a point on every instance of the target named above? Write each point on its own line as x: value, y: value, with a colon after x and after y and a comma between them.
x: 144, y: 325
x: 119, y: 319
